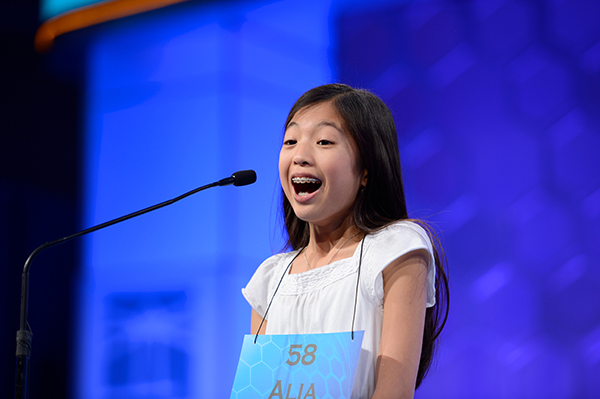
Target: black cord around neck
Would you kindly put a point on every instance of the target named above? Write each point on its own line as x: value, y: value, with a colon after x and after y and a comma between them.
x: 285, y: 272
x: 273, y: 297
x: 362, y: 243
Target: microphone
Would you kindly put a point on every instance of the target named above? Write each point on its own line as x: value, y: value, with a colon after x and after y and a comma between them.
x: 241, y: 178
x: 24, y: 335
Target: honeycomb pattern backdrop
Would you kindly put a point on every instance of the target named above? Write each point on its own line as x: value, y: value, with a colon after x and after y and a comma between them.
x: 498, y: 106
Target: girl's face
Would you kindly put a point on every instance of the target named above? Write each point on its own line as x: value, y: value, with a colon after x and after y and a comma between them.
x: 319, y: 166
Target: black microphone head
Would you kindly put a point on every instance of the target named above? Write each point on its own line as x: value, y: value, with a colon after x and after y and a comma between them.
x: 244, y: 177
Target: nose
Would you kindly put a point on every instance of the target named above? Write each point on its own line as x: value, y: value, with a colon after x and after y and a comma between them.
x: 302, y: 155
x: 300, y: 161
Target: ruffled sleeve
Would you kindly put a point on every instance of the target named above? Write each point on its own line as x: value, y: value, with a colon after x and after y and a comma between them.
x: 262, y: 284
x: 387, y: 245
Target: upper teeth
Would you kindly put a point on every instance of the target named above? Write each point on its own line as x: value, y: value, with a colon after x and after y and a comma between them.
x: 302, y: 180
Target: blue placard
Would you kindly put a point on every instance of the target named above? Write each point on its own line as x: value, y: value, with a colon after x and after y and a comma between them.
x: 298, y: 366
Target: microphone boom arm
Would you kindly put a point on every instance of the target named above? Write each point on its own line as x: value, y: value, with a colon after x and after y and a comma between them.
x: 24, y: 335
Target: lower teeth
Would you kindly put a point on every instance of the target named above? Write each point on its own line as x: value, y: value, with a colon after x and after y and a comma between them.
x: 302, y: 194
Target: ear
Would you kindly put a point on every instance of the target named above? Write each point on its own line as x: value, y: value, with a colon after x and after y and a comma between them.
x: 363, y: 181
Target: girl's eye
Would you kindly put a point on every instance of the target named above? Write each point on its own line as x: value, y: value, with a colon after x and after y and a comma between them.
x: 289, y: 142
x: 324, y: 142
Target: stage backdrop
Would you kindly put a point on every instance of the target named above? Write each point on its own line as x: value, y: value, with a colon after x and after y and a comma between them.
x: 497, y: 105
x: 175, y: 102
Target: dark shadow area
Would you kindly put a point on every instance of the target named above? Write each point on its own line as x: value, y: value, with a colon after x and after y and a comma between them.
x: 39, y: 200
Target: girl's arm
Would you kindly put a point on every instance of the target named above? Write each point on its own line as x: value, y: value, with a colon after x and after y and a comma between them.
x: 404, y: 302
x: 255, y: 322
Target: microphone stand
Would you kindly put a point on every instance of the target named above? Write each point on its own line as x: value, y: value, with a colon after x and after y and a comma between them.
x: 24, y: 335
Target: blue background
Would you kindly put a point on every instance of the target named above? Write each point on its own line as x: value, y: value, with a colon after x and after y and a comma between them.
x: 497, y: 106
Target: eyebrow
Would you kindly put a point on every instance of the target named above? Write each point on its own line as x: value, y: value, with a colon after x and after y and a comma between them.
x: 320, y: 124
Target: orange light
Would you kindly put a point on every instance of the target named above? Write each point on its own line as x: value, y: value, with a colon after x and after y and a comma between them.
x: 92, y: 15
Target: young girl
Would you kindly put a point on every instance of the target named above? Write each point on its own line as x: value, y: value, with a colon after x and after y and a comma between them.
x: 357, y: 263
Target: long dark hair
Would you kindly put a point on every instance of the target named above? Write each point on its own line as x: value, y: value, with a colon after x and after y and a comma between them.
x: 382, y: 200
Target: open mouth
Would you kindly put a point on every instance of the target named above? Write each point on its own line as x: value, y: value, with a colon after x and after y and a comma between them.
x: 305, y: 185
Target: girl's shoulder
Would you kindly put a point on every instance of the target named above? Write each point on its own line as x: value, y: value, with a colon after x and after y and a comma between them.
x: 407, y: 231
x: 262, y: 284
x: 278, y: 259
x: 388, y: 244
x: 274, y: 265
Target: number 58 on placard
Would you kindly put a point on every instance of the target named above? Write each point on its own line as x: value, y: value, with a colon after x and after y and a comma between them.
x: 308, y: 357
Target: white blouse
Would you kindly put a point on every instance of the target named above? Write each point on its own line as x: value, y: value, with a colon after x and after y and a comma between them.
x: 322, y: 300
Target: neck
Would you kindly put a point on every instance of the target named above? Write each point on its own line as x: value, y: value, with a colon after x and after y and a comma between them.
x: 323, y: 239
x: 327, y: 244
